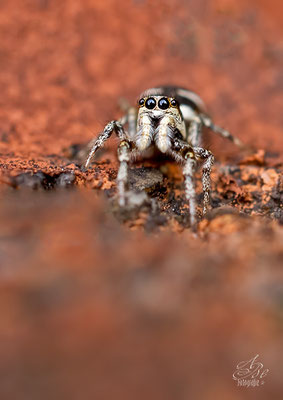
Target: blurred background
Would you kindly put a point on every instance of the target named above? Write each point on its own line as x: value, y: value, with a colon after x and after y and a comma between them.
x: 95, y: 309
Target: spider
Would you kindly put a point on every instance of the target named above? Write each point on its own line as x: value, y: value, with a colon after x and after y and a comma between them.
x: 169, y: 119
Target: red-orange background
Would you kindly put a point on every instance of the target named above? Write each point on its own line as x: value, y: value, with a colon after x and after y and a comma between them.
x: 64, y: 65
x: 89, y: 309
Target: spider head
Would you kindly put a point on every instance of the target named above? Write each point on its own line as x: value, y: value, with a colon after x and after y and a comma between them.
x: 159, y: 118
x: 157, y: 107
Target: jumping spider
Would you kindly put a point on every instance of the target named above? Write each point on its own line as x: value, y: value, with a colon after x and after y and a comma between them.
x: 170, y: 119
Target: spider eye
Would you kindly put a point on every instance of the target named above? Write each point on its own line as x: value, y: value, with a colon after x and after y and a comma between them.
x: 141, y: 102
x: 174, y: 103
x: 150, y: 103
x: 163, y: 103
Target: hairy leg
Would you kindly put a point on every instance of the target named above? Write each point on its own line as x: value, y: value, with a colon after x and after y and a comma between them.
x: 207, y: 121
x: 124, y: 151
x: 103, y: 136
x: 132, y: 122
x: 208, y: 158
x: 190, y: 193
x: 184, y: 153
x: 194, y: 132
x: 188, y: 155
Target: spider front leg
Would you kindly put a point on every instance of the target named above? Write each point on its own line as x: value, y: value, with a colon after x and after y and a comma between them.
x: 208, y: 158
x: 103, y: 136
x: 190, y: 192
x: 185, y: 154
x: 189, y: 156
x: 124, y: 151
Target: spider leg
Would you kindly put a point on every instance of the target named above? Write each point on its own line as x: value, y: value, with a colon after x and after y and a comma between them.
x: 124, y: 151
x: 194, y: 132
x: 208, y: 158
x: 130, y: 117
x: 103, y: 136
x: 189, y: 156
x: 190, y: 192
x: 124, y: 155
x: 207, y: 121
x: 132, y: 122
x: 184, y: 153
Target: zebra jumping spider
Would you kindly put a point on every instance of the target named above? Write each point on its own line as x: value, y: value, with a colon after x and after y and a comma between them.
x: 170, y: 119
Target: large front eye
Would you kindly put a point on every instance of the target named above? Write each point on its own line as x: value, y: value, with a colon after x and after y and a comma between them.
x: 150, y: 103
x: 163, y: 103
x: 141, y: 102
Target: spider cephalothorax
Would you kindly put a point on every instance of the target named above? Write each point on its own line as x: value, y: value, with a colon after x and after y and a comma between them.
x: 170, y: 119
x: 159, y: 121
